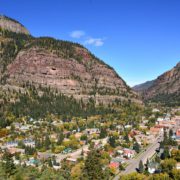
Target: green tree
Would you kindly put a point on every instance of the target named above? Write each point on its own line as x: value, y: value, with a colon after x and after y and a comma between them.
x: 136, y: 147
x: 8, y: 164
x: 165, y: 154
x: 168, y: 165
x: 133, y: 176
x: 162, y: 176
x: 60, y: 138
x: 93, y: 167
x: 103, y: 133
x: 175, y: 174
x: 112, y: 141
x: 47, y: 142
x: 141, y: 167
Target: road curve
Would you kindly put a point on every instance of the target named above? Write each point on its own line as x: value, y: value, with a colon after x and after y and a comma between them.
x: 134, y: 163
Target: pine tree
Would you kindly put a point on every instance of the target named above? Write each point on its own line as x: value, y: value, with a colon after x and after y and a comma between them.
x: 47, y: 142
x: 8, y: 164
x: 103, y: 133
x: 60, y: 138
x: 136, y: 147
x: 93, y: 167
x: 112, y: 141
x: 141, y: 167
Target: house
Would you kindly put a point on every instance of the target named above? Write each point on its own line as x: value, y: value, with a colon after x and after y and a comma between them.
x: 114, y: 165
x: 178, y: 134
x: 13, y: 150
x: 134, y: 132
x: 92, y: 131
x: 16, y: 162
x: 143, y: 126
x: 78, y: 135
x: 56, y: 167
x: 155, y: 130
x: 11, y: 144
x: 17, y: 125
x: 118, y: 159
x: 178, y: 165
x: 142, y: 138
x: 128, y: 126
x: 24, y: 128
x: 153, y: 167
x: 129, y: 153
x: 29, y: 142
x: 155, y: 110
x: 67, y: 150
x: 71, y: 160
x: 32, y: 162
x: 44, y: 156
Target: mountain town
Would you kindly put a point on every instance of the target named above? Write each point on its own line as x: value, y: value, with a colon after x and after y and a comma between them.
x: 67, y: 115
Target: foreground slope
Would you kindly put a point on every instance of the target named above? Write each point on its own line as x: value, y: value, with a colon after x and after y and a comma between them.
x: 64, y: 66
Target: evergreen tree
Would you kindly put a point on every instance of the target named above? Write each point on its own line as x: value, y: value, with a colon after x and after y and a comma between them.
x: 141, y: 167
x: 50, y: 162
x: 93, y: 168
x: 8, y: 164
x: 60, y: 138
x: 165, y: 154
x: 112, y: 141
x: 170, y: 132
x: 47, y: 142
x: 126, y: 138
x: 136, y: 147
x: 103, y: 133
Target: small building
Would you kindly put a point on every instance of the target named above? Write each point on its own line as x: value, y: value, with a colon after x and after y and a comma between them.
x: 178, y: 165
x: 67, y: 150
x: 11, y: 144
x: 153, y: 167
x: 118, y: 159
x: 114, y: 165
x: 178, y: 134
x: 14, y: 150
x: 92, y: 131
x: 155, y: 130
x: 71, y: 160
x: 129, y: 153
x: 29, y: 142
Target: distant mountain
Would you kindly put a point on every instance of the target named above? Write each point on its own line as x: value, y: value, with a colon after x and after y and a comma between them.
x: 144, y: 86
x: 63, y: 66
x: 164, y: 89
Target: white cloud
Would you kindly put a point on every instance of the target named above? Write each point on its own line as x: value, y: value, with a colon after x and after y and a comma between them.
x: 77, y: 34
x: 95, y: 41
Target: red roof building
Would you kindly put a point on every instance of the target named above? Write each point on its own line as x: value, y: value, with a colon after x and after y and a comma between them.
x: 114, y: 165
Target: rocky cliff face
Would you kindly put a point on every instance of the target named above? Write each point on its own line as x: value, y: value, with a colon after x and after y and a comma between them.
x: 167, y: 83
x: 12, y: 25
x: 63, y: 66
x: 165, y: 88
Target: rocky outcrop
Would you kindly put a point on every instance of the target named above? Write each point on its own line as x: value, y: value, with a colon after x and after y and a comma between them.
x: 63, y: 66
x: 70, y: 77
x: 12, y: 25
x: 165, y: 85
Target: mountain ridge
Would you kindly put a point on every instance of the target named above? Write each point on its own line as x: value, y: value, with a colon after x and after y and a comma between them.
x: 61, y: 65
x: 10, y: 24
x: 165, y: 88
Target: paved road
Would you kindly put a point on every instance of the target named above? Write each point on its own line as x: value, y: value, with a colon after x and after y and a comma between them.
x: 76, y: 153
x: 134, y: 163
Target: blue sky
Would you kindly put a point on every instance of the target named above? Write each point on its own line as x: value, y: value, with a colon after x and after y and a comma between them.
x: 140, y: 39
